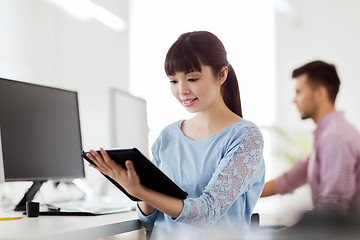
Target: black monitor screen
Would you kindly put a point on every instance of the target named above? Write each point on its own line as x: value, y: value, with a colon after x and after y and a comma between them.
x: 39, y: 133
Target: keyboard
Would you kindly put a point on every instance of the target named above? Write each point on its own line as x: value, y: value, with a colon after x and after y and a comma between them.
x: 82, y: 211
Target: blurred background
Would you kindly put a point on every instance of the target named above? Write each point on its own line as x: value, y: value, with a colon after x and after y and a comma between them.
x: 95, y: 47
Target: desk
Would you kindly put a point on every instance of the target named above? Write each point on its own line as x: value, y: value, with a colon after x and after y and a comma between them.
x: 69, y: 227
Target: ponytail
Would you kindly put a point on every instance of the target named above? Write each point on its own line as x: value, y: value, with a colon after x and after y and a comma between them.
x: 230, y: 92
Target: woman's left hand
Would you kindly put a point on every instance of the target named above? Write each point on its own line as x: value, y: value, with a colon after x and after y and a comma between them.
x: 126, y: 177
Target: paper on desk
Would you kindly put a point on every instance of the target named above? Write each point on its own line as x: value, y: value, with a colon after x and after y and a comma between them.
x: 3, y: 218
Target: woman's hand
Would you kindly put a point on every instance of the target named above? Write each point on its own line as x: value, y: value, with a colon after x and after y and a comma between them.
x: 130, y: 181
x: 126, y: 177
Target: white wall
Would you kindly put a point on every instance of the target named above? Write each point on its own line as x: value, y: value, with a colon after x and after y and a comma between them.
x: 40, y: 43
x: 321, y: 29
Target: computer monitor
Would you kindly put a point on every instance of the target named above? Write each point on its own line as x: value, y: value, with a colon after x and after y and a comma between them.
x: 40, y: 137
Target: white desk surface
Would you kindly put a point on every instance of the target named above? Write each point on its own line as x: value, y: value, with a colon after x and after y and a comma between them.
x: 69, y: 227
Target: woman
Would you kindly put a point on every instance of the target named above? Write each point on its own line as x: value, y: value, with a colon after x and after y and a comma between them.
x: 216, y: 156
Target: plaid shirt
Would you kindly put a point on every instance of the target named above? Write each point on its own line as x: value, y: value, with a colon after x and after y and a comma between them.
x: 332, y: 169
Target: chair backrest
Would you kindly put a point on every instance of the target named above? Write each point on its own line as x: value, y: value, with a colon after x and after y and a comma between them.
x: 254, y: 220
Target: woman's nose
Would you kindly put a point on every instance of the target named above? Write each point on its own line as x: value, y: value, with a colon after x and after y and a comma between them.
x: 183, y: 88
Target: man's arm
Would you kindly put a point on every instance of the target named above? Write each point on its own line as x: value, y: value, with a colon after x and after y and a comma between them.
x: 289, y: 181
x: 269, y: 189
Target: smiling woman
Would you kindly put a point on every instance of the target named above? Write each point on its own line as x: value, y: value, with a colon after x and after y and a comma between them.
x: 215, y: 156
x: 191, y: 87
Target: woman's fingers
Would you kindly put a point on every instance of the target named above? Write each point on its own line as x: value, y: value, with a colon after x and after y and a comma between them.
x: 104, y: 154
x: 96, y: 157
x: 130, y: 168
x: 94, y: 166
x: 91, y: 157
x: 107, y: 159
x: 111, y: 164
x: 94, y: 163
x: 125, y: 176
x: 104, y: 163
x: 99, y: 162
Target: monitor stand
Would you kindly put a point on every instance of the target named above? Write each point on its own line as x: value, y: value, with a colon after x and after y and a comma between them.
x: 29, y: 195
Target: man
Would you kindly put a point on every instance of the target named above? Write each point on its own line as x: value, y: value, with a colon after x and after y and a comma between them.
x: 333, y: 168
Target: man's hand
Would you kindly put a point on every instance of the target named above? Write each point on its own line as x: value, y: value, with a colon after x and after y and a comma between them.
x: 269, y: 189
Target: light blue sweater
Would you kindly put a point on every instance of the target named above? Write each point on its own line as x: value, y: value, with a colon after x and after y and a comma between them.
x: 223, y: 175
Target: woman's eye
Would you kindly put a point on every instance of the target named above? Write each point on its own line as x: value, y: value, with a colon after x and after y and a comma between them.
x: 192, y: 79
x: 172, y: 81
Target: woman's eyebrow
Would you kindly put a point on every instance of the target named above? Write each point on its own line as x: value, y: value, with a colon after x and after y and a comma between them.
x: 192, y: 72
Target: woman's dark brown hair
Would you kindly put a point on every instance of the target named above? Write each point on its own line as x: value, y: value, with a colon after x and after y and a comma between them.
x: 194, y: 49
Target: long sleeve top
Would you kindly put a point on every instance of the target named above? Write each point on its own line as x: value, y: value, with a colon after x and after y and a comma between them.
x: 223, y: 175
x: 332, y: 169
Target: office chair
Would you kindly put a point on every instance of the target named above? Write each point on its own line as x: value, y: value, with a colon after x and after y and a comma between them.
x: 254, y: 220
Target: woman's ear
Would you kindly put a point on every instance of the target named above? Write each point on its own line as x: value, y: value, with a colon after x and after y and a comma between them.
x: 223, y: 75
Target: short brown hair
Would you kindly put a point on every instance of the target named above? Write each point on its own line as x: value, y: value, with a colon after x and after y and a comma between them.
x: 321, y: 74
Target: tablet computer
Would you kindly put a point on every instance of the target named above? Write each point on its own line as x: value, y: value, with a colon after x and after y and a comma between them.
x: 150, y: 175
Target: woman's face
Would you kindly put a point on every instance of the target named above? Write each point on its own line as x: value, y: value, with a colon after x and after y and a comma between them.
x: 196, y: 91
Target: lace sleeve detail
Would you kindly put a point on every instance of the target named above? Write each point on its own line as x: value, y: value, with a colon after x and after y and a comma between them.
x: 231, y: 180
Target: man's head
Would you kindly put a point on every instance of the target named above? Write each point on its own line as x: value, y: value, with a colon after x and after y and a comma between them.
x: 316, y: 89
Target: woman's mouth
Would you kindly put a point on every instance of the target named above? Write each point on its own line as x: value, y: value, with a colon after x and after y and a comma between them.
x: 189, y: 102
